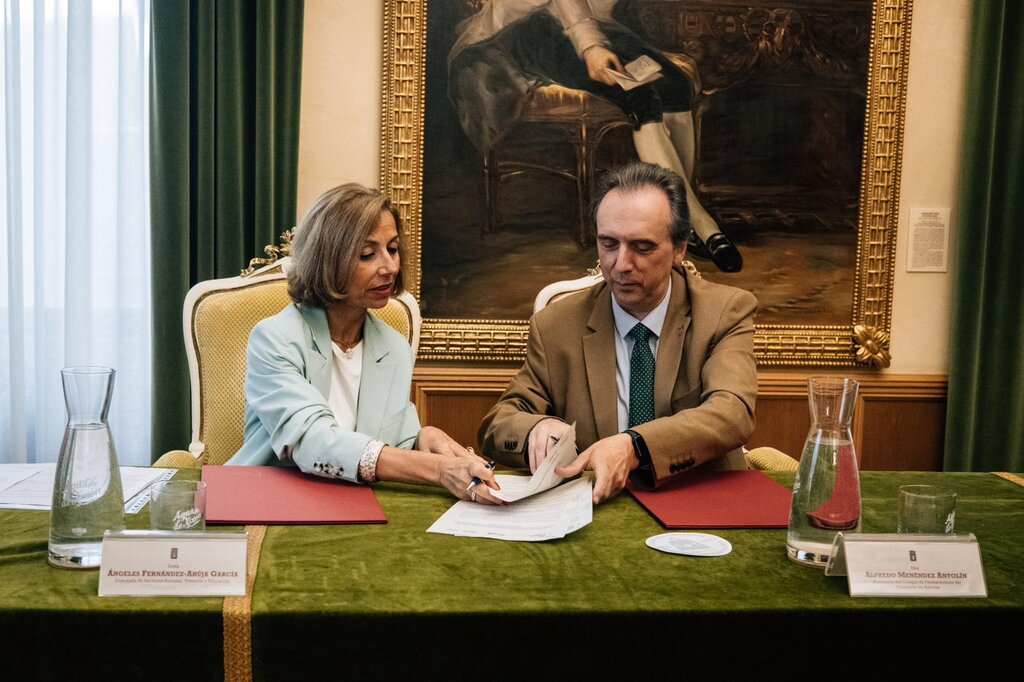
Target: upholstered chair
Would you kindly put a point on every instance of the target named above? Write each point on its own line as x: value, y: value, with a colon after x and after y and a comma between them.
x: 217, y: 318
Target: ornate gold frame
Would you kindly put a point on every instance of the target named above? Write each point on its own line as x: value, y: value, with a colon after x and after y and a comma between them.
x: 864, y: 342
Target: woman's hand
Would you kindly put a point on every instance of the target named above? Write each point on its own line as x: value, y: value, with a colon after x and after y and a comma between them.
x: 456, y: 473
x: 432, y: 439
x: 453, y: 472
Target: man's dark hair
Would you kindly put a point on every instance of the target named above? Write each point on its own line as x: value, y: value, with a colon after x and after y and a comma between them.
x: 638, y: 175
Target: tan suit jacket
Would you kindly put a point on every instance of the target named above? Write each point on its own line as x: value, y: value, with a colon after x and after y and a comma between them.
x: 705, y: 379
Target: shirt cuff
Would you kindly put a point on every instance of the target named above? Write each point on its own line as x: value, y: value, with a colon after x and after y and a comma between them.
x: 368, y: 460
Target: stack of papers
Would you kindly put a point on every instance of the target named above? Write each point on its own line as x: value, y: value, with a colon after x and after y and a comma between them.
x: 30, y: 486
x: 541, y: 509
x: 562, y: 453
x: 548, y: 516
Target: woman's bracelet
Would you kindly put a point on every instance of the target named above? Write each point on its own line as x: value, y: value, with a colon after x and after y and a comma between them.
x: 368, y: 461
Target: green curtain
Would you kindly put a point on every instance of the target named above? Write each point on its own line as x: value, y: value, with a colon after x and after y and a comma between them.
x: 985, y: 416
x: 224, y: 155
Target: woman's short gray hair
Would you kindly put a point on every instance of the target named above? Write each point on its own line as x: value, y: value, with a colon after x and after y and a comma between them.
x: 328, y: 241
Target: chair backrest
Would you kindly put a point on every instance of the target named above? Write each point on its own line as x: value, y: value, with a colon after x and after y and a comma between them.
x: 563, y: 288
x: 557, y: 290
x: 218, y: 317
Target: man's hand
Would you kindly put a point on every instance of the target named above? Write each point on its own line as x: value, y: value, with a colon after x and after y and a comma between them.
x: 433, y: 439
x: 543, y: 436
x: 598, y: 59
x: 611, y: 459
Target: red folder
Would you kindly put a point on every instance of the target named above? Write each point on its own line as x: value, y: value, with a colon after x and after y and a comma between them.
x: 279, y: 496
x: 718, y: 499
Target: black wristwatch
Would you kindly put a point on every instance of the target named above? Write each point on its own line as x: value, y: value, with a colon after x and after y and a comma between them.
x: 639, y: 446
x: 643, y: 475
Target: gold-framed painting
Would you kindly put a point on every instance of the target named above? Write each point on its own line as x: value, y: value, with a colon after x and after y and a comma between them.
x: 797, y: 114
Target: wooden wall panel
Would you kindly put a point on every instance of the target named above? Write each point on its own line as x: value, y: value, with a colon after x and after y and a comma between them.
x: 903, y: 436
x: 782, y: 423
x: 899, y: 422
x: 456, y: 400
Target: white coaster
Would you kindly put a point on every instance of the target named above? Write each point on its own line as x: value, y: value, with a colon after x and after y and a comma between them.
x: 690, y: 544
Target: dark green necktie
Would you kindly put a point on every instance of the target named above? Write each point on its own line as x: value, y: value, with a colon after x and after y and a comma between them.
x: 641, y: 377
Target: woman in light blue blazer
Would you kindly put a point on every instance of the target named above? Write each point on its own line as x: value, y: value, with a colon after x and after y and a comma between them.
x: 327, y: 384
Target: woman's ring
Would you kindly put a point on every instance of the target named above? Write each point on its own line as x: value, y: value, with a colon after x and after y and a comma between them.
x: 472, y: 496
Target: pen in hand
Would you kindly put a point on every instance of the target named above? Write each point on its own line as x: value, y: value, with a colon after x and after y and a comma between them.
x: 475, y: 481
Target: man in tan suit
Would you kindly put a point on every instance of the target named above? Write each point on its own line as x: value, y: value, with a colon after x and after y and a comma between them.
x: 654, y: 365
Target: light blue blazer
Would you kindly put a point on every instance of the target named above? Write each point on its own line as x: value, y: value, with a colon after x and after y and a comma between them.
x: 287, y: 382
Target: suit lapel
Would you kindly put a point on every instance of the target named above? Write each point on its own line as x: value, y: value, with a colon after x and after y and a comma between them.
x: 377, y: 379
x: 598, y: 349
x: 670, y: 346
x: 318, y: 363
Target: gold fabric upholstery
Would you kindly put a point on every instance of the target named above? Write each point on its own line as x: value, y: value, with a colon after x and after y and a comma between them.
x: 176, y: 459
x: 770, y: 459
x: 219, y: 316
x: 221, y: 323
x: 397, y: 316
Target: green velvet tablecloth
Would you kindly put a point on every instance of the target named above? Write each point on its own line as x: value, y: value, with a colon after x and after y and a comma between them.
x: 390, y: 600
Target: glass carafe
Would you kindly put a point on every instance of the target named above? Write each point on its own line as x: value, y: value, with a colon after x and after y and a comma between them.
x: 87, y: 494
x: 826, y: 492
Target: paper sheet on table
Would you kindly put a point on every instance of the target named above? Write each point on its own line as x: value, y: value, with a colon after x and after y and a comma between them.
x: 14, y: 473
x: 545, y: 478
x: 34, y: 490
x: 547, y: 516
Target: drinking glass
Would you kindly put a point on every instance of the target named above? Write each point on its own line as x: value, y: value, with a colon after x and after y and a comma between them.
x: 926, y: 509
x: 178, y: 505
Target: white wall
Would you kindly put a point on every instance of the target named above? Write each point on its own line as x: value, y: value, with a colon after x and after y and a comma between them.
x: 940, y: 31
x: 340, y: 140
x: 339, y: 124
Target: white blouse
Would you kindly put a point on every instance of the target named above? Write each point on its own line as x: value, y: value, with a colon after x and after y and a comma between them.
x: 346, y: 373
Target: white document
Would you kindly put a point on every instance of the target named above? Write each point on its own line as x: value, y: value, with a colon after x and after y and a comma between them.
x: 547, y: 516
x: 929, y: 240
x: 640, y: 71
x: 14, y: 473
x: 34, y: 490
x: 545, y: 478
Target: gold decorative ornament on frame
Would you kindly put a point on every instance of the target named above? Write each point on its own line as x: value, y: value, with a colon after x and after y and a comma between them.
x: 863, y: 340
x: 872, y: 346
x: 274, y: 253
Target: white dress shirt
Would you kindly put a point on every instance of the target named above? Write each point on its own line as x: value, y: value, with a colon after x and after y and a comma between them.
x: 624, y: 323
